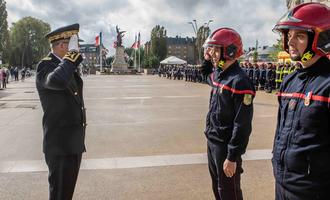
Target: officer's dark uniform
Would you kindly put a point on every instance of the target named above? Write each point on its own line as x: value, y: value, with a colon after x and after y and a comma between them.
x: 262, y: 79
x: 301, y: 154
x: 228, y: 125
x: 250, y: 74
x: 256, y: 77
x: 270, y: 77
x: 60, y: 90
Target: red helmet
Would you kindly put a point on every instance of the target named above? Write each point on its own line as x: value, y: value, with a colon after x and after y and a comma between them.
x: 229, y: 40
x: 311, y: 17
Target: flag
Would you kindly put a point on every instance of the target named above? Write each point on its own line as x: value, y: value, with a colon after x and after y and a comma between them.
x: 136, y: 44
x: 139, y: 41
x: 98, y: 39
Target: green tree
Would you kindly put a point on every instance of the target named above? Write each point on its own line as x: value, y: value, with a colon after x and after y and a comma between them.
x: 158, y: 42
x: 278, y: 47
x: 4, y: 33
x: 109, y: 60
x: 28, y: 43
x: 202, y: 34
x: 151, y: 61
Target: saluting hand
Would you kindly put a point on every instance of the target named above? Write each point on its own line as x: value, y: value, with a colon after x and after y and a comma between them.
x: 73, y: 43
x: 207, y: 55
x: 229, y: 168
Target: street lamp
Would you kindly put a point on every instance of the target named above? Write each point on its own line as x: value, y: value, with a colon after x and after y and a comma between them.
x: 196, y: 29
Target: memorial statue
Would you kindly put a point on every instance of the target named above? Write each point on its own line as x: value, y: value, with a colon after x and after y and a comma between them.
x: 120, y: 35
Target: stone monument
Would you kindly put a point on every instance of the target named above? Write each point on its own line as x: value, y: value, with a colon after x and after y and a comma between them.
x: 119, y: 64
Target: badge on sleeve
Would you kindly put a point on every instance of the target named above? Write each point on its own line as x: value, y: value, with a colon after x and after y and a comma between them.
x: 247, y: 99
x: 308, y: 97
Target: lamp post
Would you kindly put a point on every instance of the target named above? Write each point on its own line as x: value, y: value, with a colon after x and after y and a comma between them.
x: 196, y: 30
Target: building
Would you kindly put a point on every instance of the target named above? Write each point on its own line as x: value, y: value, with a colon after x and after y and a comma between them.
x: 264, y: 54
x: 183, y: 48
x: 292, y: 3
x: 91, y: 54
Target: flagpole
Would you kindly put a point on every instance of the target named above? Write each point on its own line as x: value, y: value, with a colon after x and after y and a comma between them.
x: 134, y: 58
x: 100, y: 52
x: 139, y: 40
x: 139, y: 60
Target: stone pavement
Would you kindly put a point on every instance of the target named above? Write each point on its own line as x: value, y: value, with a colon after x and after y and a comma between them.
x: 144, y: 141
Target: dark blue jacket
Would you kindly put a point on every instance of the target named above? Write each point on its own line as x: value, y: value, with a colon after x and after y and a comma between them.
x: 231, y: 109
x: 262, y: 74
x: 60, y: 89
x: 301, y: 153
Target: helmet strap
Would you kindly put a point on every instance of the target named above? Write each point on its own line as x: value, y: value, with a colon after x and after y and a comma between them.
x: 308, y: 53
x: 222, y: 60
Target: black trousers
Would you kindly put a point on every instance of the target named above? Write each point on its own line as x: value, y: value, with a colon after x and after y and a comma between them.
x: 62, y: 177
x: 224, y: 188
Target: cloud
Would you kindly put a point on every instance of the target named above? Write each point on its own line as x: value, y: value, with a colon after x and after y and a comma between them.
x: 253, y: 19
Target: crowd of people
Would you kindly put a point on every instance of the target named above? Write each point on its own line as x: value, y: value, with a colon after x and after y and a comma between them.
x: 265, y: 76
x: 12, y: 74
x: 190, y: 73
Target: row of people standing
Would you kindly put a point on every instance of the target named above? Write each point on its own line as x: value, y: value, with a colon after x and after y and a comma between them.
x: 265, y: 76
x: 268, y: 76
x: 189, y: 73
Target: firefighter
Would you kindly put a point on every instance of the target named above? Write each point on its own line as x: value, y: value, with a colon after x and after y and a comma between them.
x: 228, y: 122
x: 302, y: 141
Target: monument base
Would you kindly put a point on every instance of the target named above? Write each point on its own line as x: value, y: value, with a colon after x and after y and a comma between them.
x: 119, y: 64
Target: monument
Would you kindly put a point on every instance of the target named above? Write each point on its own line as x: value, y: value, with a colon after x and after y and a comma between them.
x: 119, y: 64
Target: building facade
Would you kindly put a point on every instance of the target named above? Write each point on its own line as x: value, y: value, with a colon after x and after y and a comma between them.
x: 183, y: 48
x: 91, y: 55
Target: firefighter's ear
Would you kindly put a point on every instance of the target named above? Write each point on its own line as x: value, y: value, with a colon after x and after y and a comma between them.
x: 231, y: 51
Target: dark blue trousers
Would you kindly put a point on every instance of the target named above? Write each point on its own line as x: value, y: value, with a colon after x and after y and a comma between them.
x: 62, y: 177
x: 224, y: 188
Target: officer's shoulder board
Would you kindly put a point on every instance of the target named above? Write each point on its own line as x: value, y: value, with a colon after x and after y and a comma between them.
x: 46, y: 58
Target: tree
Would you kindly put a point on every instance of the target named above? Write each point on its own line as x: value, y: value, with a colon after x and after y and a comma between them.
x: 109, y: 60
x: 151, y: 61
x: 4, y: 33
x: 202, y: 34
x: 278, y: 47
x: 28, y: 42
x: 158, y: 42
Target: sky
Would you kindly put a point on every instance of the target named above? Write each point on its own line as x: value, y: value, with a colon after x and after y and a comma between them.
x: 253, y: 19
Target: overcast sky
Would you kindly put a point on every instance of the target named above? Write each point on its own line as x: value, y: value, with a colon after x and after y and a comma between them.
x: 253, y: 19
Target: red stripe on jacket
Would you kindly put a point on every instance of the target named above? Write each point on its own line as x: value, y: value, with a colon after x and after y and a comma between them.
x: 233, y: 90
x: 303, y: 96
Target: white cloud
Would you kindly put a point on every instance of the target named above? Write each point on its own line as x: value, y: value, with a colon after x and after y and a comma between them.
x: 253, y: 19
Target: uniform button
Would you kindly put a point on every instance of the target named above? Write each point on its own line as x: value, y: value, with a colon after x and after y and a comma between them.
x: 76, y: 93
x: 83, y: 124
x: 82, y: 108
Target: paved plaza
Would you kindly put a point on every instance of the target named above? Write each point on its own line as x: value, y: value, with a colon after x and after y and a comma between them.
x: 144, y: 141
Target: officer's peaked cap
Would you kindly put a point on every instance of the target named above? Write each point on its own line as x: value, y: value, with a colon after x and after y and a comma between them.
x: 62, y: 33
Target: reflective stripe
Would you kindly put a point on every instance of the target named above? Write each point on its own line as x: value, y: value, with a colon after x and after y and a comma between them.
x: 303, y: 96
x: 225, y: 87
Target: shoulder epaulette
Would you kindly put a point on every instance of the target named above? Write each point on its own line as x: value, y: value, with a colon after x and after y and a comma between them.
x: 47, y: 58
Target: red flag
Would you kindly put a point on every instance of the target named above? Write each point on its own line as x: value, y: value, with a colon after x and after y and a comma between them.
x: 135, y: 44
x: 97, y: 40
x: 139, y: 41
